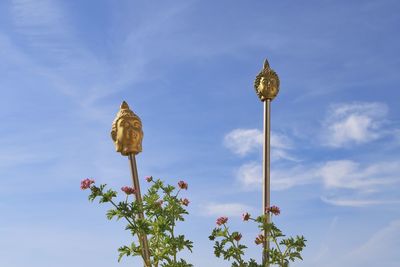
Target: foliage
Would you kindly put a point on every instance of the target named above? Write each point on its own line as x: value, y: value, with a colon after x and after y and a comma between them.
x: 162, y: 209
x: 227, y: 244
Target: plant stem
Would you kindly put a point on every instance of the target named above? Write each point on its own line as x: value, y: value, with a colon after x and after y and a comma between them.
x: 177, y: 193
x: 126, y: 218
x: 277, y: 246
x: 133, y: 225
x: 237, y: 257
x: 284, y: 254
x: 173, y: 223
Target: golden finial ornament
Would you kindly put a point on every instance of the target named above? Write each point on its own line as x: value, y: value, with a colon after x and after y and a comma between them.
x: 267, y: 83
x: 126, y: 131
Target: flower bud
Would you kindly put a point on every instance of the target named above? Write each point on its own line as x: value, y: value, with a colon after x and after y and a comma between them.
x: 222, y: 220
x: 86, y: 183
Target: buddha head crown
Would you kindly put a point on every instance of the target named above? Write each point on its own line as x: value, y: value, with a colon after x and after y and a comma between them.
x: 267, y: 83
x: 126, y: 131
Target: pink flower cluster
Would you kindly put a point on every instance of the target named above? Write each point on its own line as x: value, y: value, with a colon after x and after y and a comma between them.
x: 128, y: 190
x: 259, y: 239
x: 274, y: 210
x: 149, y: 178
x: 246, y: 216
x: 185, y: 201
x: 183, y: 185
x: 238, y: 237
x: 222, y: 220
x: 86, y: 183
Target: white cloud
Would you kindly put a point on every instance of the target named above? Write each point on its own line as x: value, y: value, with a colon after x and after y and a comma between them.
x: 354, y: 123
x: 346, y: 182
x: 245, y: 141
x: 249, y: 176
x: 357, y: 202
x: 225, y: 209
x: 285, y: 178
x: 349, y: 174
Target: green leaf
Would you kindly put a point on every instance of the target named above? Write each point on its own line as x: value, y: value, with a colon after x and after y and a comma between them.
x: 123, y: 251
x: 112, y: 213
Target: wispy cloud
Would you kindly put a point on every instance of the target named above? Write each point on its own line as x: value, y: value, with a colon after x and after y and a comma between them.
x: 346, y: 182
x: 378, y: 249
x: 349, y: 174
x: 42, y: 246
x: 224, y: 209
x: 382, y: 248
x: 249, y: 176
x: 354, y: 123
x: 68, y: 65
x: 44, y: 27
x: 352, y: 202
x: 349, y: 183
x: 245, y: 141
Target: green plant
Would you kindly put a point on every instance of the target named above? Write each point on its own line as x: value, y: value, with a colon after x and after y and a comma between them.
x: 282, y: 251
x: 162, y: 208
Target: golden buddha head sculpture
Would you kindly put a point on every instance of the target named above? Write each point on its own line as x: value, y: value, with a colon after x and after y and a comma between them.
x: 126, y: 131
x: 267, y: 83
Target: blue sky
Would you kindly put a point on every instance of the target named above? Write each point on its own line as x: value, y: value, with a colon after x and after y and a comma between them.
x: 187, y: 69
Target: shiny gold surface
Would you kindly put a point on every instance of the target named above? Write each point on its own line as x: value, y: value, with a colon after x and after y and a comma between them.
x: 127, y: 131
x: 267, y: 83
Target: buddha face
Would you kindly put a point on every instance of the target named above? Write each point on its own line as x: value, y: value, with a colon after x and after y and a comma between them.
x: 268, y: 87
x: 129, y: 136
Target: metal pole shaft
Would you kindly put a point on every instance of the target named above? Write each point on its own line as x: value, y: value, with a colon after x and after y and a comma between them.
x: 266, y: 174
x: 138, y: 196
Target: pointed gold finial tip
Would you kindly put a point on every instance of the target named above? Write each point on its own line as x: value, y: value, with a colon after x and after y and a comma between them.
x: 266, y: 64
x: 124, y: 105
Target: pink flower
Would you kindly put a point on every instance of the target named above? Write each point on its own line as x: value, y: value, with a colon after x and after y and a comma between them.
x: 149, y: 178
x: 86, y: 183
x: 128, y: 190
x: 185, y: 201
x: 246, y: 216
x: 222, y: 220
x: 183, y: 185
x: 259, y: 239
x: 238, y: 237
x: 274, y: 210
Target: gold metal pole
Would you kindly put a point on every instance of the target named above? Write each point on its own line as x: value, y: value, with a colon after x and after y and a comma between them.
x: 267, y: 88
x: 127, y: 134
x: 135, y: 178
x: 266, y: 174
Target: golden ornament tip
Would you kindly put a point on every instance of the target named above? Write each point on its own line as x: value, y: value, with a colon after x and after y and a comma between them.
x: 266, y: 64
x: 124, y: 105
x: 126, y: 131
